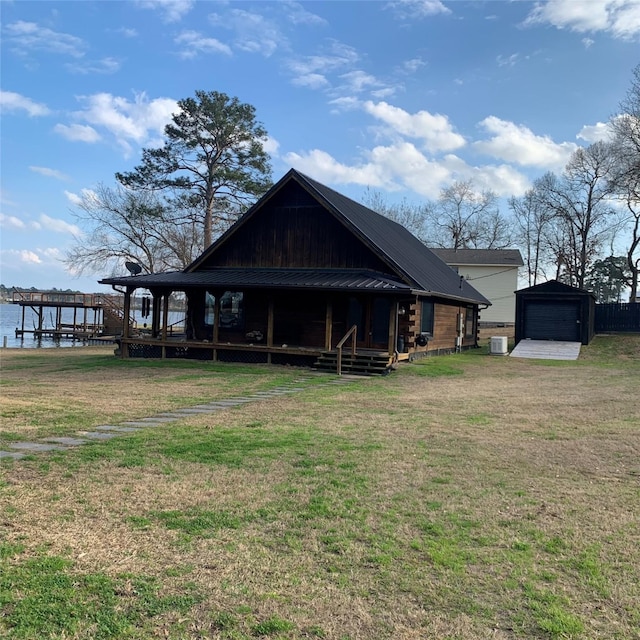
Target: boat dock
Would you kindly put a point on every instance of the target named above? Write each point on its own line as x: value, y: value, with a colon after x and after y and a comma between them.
x: 93, y: 314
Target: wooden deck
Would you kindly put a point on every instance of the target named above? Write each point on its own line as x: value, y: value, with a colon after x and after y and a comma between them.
x: 89, y: 313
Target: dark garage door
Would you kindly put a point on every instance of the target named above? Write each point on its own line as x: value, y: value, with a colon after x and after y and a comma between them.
x: 552, y: 321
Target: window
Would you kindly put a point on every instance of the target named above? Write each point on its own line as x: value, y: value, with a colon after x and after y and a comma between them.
x: 209, y: 310
x: 426, y: 321
x: 232, y: 310
x: 469, y: 328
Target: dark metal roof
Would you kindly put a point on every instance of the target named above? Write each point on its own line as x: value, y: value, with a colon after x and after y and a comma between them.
x: 400, y: 247
x: 416, y: 266
x: 333, y: 279
x: 481, y: 257
x: 554, y: 288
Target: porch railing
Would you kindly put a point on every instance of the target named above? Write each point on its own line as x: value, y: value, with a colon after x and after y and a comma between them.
x: 352, y: 333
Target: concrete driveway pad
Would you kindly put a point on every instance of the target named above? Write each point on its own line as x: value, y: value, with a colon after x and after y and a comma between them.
x: 546, y: 350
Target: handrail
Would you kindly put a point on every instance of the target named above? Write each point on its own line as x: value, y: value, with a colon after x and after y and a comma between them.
x: 51, y: 298
x: 353, y: 332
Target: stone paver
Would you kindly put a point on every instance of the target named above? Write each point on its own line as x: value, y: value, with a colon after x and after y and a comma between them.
x: 69, y: 442
x: 12, y: 454
x: 36, y: 446
x: 108, y: 431
x: 98, y: 435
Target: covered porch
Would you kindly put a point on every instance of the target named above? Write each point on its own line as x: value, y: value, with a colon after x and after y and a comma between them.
x: 235, y: 321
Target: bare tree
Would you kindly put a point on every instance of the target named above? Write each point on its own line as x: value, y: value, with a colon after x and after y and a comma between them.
x: 412, y: 217
x: 533, y: 222
x: 464, y: 218
x: 626, y: 181
x: 122, y: 225
x: 581, y: 202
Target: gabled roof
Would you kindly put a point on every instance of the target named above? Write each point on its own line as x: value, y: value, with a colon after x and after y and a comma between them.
x: 480, y: 257
x: 555, y: 288
x: 403, y: 252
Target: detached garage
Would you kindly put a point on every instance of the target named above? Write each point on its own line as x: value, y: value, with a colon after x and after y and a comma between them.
x: 555, y: 311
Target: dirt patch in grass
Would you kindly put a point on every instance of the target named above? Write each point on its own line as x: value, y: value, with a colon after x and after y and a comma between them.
x: 498, y: 502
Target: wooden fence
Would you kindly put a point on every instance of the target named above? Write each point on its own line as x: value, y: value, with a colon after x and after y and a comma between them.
x: 618, y: 317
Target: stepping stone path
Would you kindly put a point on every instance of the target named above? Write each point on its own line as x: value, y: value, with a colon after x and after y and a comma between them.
x: 107, y: 431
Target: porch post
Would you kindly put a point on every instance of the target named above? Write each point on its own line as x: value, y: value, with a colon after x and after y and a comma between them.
x: 216, y: 324
x: 270, y: 323
x: 155, y: 318
x: 165, y: 322
x: 394, y: 309
x: 126, y: 311
x: 328, y: 326
x: 216, y: 318
x: 270, y: 314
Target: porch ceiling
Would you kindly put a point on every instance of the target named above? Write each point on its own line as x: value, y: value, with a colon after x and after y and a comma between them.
x: 239, y: 278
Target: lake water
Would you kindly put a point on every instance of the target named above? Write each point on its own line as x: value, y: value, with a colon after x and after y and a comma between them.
x: 11, y: 319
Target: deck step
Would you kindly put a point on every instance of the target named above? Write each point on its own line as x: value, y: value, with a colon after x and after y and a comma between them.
x: 363, y: 363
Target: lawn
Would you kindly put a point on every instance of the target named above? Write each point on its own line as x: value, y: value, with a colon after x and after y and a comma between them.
x: 466, y: 496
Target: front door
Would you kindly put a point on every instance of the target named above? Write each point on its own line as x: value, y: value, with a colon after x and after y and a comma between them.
x: 371, y: 316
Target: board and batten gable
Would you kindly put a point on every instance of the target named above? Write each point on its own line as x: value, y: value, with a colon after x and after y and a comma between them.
x: 293, y: 231
x: 492, y: 272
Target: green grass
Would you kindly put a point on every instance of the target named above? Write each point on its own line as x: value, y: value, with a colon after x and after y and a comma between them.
x: 462, y: 497
x: 44, y: 597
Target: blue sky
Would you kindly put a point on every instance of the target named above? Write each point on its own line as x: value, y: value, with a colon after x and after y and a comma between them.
x: 402, y: 97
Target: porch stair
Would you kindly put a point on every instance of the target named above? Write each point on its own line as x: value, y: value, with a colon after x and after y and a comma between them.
x: 364, y: 363
x: 113, y: 315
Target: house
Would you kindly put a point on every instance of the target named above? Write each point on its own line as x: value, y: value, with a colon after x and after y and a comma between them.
x: 290, y: 280
x: 555, y: 311
x: 492, y: 272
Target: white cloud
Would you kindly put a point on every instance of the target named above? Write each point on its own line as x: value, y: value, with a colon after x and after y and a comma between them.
x: 410, y: 168
x: 77, y: 132
x: 601, y: 131
x: 53, y: 253
x: 11, y: 222
x: 58, y: 226
x: 587, y: 42
x: 137, y: 121
x: 503, y: 179
x: 411, y: 66
x: 312, y: 71
x: 435, y: 131
x: 127, y: 32
x: 11, y: 102
x: 49, y: 173
x: 105, y: 66
x: 311, y: 81
x: 27, y: 37
x: 253, y: 32
x: 518, y: 144
x: 270, y: 145
x: 194, y: 43
x: 392, y: 168
x: 416, y: 9
x: 358, y: 81
x: 27, y: 257
x: 85, y: 194
x: 620, y: 18
x: 323, y: 167
x: 298, y: 15
x: 170, y: 10
x: 508, y: 61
